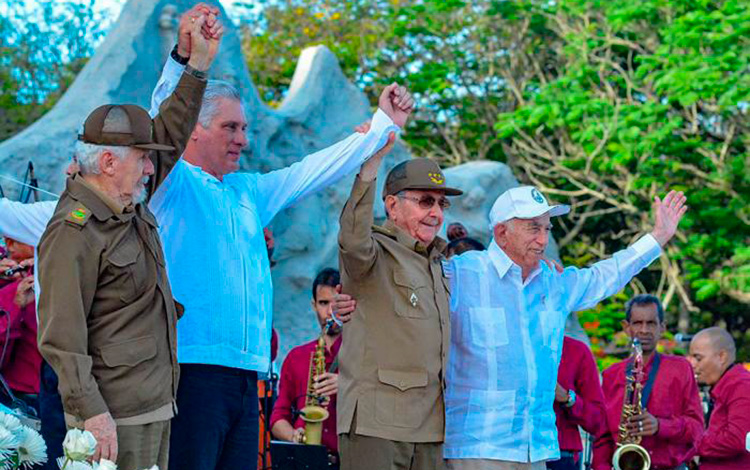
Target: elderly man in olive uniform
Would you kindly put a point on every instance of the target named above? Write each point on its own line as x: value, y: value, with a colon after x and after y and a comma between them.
x: 106, y: 312
x: 394, y: 351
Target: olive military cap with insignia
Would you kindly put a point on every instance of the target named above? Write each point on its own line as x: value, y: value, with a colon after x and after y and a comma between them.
x: 137, y: 130
x: 419, y: 174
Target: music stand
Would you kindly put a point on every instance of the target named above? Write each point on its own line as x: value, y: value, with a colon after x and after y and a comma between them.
x: 292, y: 456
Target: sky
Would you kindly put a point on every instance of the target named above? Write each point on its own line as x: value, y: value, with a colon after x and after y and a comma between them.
x: 114, y: 6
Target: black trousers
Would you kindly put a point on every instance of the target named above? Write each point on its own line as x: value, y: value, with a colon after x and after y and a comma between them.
x: 564, y: 463
x: 216, y: 426
x: 53, y: 418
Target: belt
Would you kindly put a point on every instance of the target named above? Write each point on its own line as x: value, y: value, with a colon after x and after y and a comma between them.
x: 568, y: 454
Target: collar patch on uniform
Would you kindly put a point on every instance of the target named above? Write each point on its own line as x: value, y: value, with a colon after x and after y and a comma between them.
x: 78, y: 216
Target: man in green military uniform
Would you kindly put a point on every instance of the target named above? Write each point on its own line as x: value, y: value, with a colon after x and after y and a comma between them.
x: 107, y: 318
x: 391, y: 413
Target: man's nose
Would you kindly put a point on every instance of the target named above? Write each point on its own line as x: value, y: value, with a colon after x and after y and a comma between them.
x: 543, y: 238
x: 148, y: 168
x: 240, y: 138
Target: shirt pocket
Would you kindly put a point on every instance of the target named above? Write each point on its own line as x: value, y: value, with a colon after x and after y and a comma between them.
x: 553, y: 328
x: 129, y: 353
x: 412, y: 295
x: 488, y: 327
x: 489, y: 417
x: 399, y: 397
x: 129, y: 269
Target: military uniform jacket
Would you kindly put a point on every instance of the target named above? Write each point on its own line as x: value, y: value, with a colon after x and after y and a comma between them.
x: 107, y: 319
x: 393, y: 356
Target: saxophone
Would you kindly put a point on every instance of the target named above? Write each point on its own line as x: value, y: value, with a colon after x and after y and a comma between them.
x: 630, y: 455
x: 315, y: 412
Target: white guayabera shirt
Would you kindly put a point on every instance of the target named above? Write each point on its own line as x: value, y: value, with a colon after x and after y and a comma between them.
x: 506, y: 342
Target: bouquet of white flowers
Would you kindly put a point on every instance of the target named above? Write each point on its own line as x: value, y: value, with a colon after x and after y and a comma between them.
x: 78, y: 447
x: 20, y: 446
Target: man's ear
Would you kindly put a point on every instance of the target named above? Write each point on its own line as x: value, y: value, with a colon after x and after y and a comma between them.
x: 108, y: 163
x: 625, y: 326
x: 390, y: 204
x: 499, y: 231
x: 724, y: 358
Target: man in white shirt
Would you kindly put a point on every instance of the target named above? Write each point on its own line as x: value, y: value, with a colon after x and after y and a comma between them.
x: 508, y: 318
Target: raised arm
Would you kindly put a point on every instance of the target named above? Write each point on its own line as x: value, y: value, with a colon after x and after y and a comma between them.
x: 587, y: 287
x: 279, y: 189
x: 179, y: 113
x: 25, y: 223
x: 357, y: 250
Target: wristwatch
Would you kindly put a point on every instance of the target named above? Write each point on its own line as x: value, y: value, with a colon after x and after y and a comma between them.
x: 199, y: 74
x: 571, y: 399
x: 177, y: 57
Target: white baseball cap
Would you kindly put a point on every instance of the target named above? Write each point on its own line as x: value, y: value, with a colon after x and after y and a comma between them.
x: 524, y: 202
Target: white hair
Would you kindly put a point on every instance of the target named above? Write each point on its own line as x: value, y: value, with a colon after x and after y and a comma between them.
x: 216, y: 90
x: 510, y: 224
x: 87, y: 155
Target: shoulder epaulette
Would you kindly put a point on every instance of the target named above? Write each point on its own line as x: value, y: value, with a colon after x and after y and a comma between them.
x: 383, y: 230
x: 78, y: 216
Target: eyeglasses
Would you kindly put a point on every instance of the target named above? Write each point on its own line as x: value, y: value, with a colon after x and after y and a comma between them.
x: 426, y: 202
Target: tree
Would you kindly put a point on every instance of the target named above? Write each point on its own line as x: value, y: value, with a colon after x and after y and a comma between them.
x: 602, y: 104
x: 641, y: 97
x: 34, y: 75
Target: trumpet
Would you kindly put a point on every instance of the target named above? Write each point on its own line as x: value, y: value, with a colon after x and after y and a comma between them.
x: 630, y: 455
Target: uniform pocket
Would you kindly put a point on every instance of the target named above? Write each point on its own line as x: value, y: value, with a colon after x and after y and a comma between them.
x: 131, y: 276
x: 398, y: 397
x: 129, y: 353
x: 489, y: 417
x: 412, y: 295
x: 488, y: 327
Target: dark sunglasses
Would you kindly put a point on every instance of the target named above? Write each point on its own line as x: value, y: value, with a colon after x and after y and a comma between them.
x: 426, y: 202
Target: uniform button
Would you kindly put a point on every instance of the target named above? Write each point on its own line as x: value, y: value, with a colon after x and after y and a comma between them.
x: 402, y: 384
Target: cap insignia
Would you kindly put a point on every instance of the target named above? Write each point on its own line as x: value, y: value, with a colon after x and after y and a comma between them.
x: 536, y: 196
x: 436, y: 178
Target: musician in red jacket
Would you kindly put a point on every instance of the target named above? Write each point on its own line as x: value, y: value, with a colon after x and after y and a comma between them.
x: 672, y: 419
x: 724, y: 444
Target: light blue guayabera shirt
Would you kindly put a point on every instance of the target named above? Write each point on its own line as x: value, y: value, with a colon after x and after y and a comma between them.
x: 212, y: 232
x: 506, y: 342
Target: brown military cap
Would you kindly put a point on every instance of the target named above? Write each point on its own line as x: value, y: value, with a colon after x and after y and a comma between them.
x: 418, y: 173
x: 135, y: 131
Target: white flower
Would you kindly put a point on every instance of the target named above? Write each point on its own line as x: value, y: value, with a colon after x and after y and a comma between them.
x: 79, y: 445
x: 72, y: 465
x: 32, y: 449
x: 105, y: 464
x: 10, y: 422
x: 8, y: 441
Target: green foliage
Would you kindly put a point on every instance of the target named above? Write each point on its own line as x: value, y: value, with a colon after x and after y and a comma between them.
x: 34, y: 75
x: 642, y: 97
x: 603, y: 104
